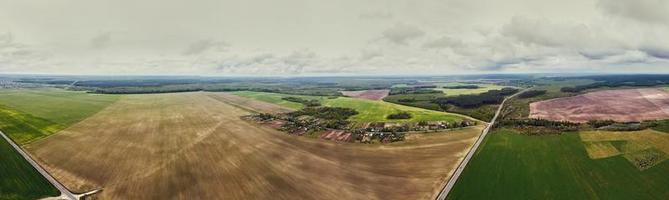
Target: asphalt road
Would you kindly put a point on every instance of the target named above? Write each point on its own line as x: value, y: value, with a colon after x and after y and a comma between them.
x: 454, y: 178
x: 64, y: 193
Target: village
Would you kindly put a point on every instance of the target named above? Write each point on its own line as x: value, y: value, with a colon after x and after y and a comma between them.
x: 343, y: 131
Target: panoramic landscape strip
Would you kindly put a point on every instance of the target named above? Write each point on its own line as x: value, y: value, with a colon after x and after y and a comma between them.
x: 284, y: 139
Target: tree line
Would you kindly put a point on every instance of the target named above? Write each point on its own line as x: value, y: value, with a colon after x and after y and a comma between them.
x: 620, y: 81
x: 305, y: 102
x: 475, y: 100
x: 462, y: 87
x: 531, y: 93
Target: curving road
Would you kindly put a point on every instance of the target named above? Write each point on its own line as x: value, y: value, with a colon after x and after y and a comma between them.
x: 454, y: 178
x: 64, y: 192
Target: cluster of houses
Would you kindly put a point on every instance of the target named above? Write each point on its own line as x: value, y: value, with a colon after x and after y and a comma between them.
x: 384, y: 132
x: 419, y: 126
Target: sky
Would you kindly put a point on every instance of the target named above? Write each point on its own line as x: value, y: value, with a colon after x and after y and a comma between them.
x: 325, y: 37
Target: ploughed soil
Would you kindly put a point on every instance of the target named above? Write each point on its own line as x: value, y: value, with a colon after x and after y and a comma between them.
x: 367, y: 94
x: 619, y: 105
x: 196, y: 146
x: 247, y: 104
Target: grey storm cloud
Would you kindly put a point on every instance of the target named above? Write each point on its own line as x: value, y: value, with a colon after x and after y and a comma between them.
x: 657, y: 52
x: 599, y: 55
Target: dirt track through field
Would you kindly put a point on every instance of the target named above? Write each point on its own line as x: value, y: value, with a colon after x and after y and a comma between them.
x: 619, y: 105
x: 195, y: 146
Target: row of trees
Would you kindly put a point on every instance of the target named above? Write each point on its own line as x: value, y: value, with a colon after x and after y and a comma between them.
x: 531, y: 93
x: 539, y: 122
x: 620, y: 81
x: 325, y: 113
x: 305, y: 102
x: 600, y: 123
x: 462, y: 87
x: 413, y: 90
x: 539, y: 126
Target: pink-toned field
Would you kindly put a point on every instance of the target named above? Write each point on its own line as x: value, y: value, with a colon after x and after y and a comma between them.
x: 367, y: 94
x: 619, y: 105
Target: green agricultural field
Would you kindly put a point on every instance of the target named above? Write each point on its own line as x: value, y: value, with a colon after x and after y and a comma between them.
x: 275, y: 98
x: 369, y: 111
x: 455, y: 92
x: 56, y: 105
x: 485, y: 112
x: 30, y: 114
x: 513, y: 166
x: 376, y: 111
x: 25, y: 128
x: 425, y: 100
x: 18, y: 180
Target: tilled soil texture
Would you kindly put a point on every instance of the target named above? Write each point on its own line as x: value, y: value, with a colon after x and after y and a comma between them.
x: 367, y: 94
x: 619, y: 105
x: 249, y: 105
x: 196, y: 146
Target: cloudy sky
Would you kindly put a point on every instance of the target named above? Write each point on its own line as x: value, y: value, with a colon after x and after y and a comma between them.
x: 309, y: 37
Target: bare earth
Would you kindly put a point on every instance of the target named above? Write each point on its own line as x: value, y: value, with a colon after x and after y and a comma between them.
x: 367, y: 94
x: 195, y: 146
x: 245, y: 103
x: 619, y: 105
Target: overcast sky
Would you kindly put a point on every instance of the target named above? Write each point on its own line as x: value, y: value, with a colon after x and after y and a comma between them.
x: 308, y: 37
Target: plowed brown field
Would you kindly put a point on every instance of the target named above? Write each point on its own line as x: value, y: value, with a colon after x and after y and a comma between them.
x: 619, y: 105
x: 195, y: 146
x: 367, y: 94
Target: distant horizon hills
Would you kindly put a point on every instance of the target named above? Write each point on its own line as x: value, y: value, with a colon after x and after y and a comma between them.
x: 469, y: 75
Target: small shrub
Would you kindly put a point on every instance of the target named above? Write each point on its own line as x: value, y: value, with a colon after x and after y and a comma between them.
x: 400, y: 115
